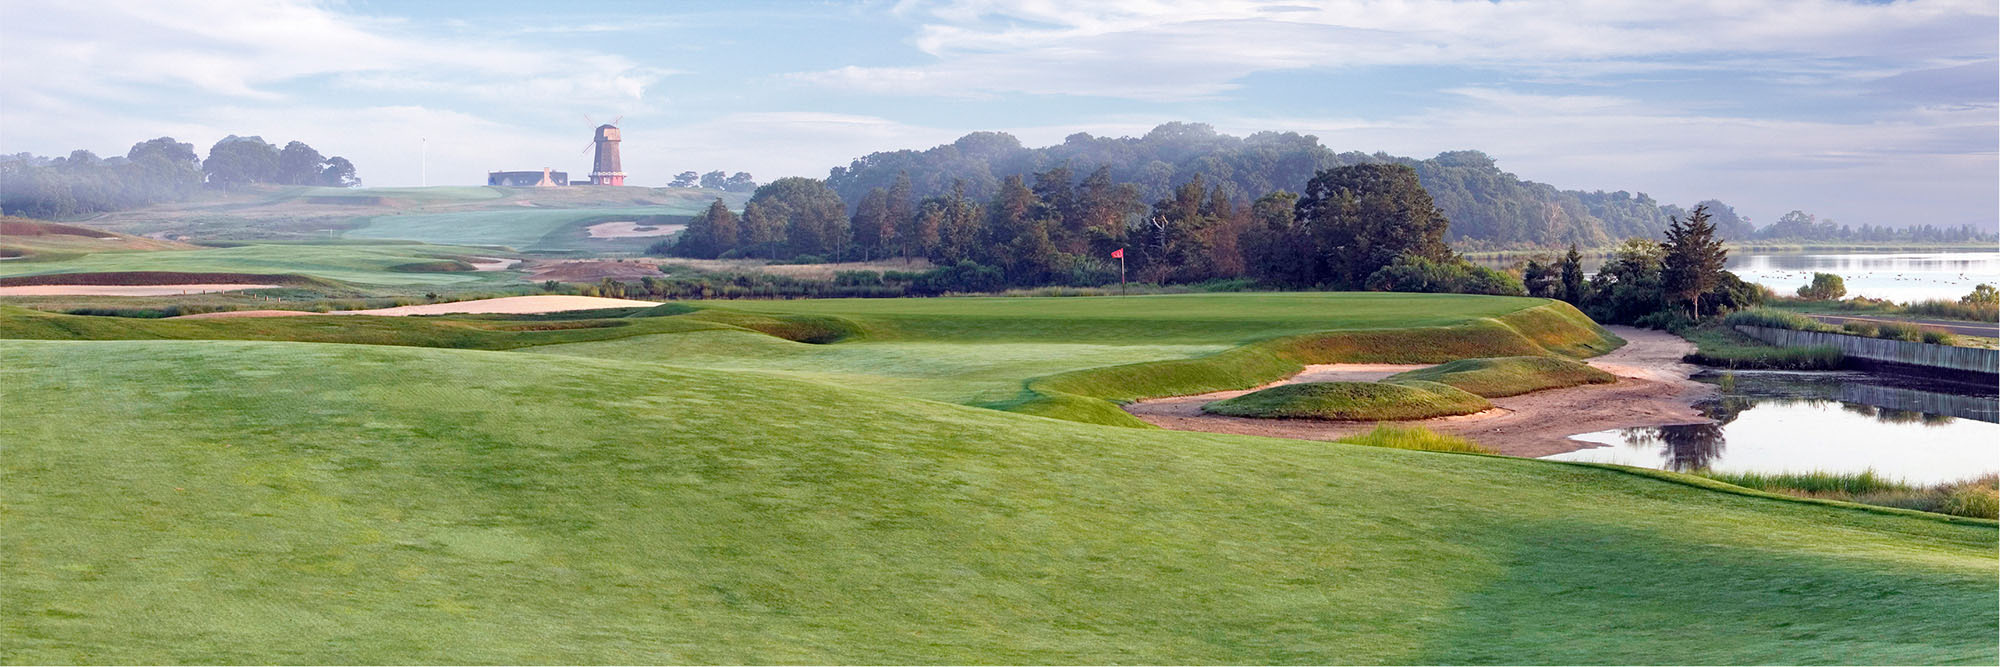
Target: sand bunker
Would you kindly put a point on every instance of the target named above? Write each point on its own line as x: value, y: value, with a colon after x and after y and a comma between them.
x: 629, y: 229
x: 512, y: 305
x: 124, y: 290
x: 493, y: 263
x: 1653, y: 389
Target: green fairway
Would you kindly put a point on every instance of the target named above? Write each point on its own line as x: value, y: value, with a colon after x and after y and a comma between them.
x: 223, y: 501
x: 354, y: 263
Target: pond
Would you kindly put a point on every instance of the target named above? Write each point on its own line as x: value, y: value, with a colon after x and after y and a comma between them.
x: 1898, y: 276
x: 1919, y: 431
x: 1903, y: 277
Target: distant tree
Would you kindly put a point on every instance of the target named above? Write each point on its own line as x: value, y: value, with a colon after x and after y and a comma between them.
x: 165, y: 149
x: 1365, y: 216
x: 715, y: 180
x: 739, y: 182
x: 1824, y: 287
x: 762, y: 231
x: 1693, y: 259
x: 338, y: 173
x: 299, y: 164
x: 814, y: 218
x: 919, y: 234
x: 1628, y: 286
x: 236, y: 161
x: 713, y: 232
x: 1277, y: 249
x: 1542, y: 277
x: 873, y: 229
x: 685, y: 179
x: 1572, y: 276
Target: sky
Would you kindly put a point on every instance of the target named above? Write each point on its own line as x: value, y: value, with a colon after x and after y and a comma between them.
x: 1865, y: 112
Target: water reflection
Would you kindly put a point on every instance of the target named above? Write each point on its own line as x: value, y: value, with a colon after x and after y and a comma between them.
x: 1897, y: 276
x: 1768, y: 421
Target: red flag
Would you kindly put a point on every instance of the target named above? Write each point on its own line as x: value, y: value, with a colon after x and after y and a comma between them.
x: 1118, y: 254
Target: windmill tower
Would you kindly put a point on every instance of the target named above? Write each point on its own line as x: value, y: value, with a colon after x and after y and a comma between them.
x: 606, y: 168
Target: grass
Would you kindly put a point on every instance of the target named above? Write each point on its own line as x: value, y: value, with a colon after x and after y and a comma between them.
x: 1351, y: 401
x: 1415, y: 438
x: 520, y: 228
x: 1509, y: 376
x: 233, y: 501
x: 1718, y: 345
x: 360, y: 264
x: 1978, y: 497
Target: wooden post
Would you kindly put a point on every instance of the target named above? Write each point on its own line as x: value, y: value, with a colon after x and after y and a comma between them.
x: 1121, y: 273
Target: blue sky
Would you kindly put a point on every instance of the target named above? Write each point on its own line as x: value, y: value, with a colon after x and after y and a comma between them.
x: 1882, y: 113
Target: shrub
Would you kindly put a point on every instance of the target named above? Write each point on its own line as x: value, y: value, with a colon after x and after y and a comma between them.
x: 1824, y: 287
x: 1862, y: 329
x: 1899, y: 331
x: 1410, y: 273
x: 1936, y: 337
x: 1775, y: 319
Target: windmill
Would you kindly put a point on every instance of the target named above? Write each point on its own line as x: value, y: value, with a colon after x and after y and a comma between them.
x: 605, y: 168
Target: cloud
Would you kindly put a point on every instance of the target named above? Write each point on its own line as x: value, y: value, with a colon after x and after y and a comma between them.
x: 1169, y: 50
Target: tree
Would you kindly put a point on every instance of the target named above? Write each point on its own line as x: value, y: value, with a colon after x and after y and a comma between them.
x: 1542, y: 277
x: 1365, y: 216
x: 1982, y: 294
x: 299, y: 164
x: 715, y: 180
x: 339, y: 173
x: 1572, y: 276
x: 762, y: 231
x: 1693, y: 259
x: 236, y: 161
x: 1277, y: 249
x: 1824, y: 287
x: 873, y: 230
x: 166, y: 149
x: 1627, y: 287
x: 739, y: 182
x: 712, y: 233
x: 685, y: 179
x: 814, y: 218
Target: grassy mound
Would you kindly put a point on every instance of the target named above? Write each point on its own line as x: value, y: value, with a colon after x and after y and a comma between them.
x: 286, y: 502
x: 1351, y: 400
x: 378, y: 263
x: 1509, y: 376
x: 1416, y: 438
x: 162, y: 278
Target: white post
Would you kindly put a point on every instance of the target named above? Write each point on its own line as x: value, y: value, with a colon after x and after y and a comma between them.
x: 424, y: 162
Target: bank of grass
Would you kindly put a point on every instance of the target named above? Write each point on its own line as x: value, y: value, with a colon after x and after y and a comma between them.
x: 1509, y: 376
x: 1415, y: 399
x: 379, y: 264
x: 1978, y: 497
x: 1784, y: 319
x: 1716, y: 344
x: 164, y: 497
x: 1415, y: 438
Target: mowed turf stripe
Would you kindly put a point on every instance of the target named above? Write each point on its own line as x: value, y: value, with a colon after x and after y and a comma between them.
x: 176, y: 501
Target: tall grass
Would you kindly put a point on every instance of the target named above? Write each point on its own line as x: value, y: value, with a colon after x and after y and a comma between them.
x: 1414, y: 437
x: 1509, y: 376
x: 1720, y: 346
x: 1414, y: 399
x: 1978, y: 497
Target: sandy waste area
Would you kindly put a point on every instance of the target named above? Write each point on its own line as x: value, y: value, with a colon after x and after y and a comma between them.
x: 513, y: 305
x: 1653, y: 389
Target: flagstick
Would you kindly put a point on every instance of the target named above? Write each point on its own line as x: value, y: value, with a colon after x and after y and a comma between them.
x: 1121, y: 273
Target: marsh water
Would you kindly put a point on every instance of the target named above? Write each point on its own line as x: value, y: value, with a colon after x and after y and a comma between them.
x: 1898, y: 276
x: 1918, y: 430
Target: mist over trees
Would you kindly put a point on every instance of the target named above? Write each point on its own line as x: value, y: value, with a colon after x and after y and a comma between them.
x: 157, y: 170
x: 714, y: 180
x: 1489, y: 208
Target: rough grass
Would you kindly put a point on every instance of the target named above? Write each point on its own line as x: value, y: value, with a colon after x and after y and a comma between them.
x: 1415, y: 438
x: 1509, y: 376
x: 1978, y: 497
x: 229, y: 502
x: 1718, y: 345
x: 1351, y: 401
x: 366, y: 264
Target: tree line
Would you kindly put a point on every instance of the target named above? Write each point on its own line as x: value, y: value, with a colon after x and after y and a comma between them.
x: 715, y: 180
x: 154, y: 171
x: 1489, y: 208
x: 1354, y: 227
x: 1802, y: 226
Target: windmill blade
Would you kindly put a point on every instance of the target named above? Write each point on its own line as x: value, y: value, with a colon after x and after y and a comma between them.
x: 620, y: 117
x: 586, y: 118
x: 587, y: 146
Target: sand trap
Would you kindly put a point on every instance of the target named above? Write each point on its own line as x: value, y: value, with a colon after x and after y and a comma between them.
x: 1653, y: 389
x: 544, y: 303
x: 124, y: 290
x: 493, y: 263
x: 513, y: 305
x: 629, y: 229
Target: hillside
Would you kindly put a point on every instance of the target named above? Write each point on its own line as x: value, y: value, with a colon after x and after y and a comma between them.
x: 560, y: 509
x: 24, y: 239
x: 1488, y: 207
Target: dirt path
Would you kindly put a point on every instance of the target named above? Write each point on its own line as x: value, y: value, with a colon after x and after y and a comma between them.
x: 1653, y: 389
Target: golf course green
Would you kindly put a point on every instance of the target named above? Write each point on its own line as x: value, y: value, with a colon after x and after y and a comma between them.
x: 879, y: 481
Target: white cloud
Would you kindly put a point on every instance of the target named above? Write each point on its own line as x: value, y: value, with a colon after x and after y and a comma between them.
x: 1174, y: 50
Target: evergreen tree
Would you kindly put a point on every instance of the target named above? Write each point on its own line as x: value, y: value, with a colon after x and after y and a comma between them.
x: 1572, y: 276
x: 1693, y: 259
